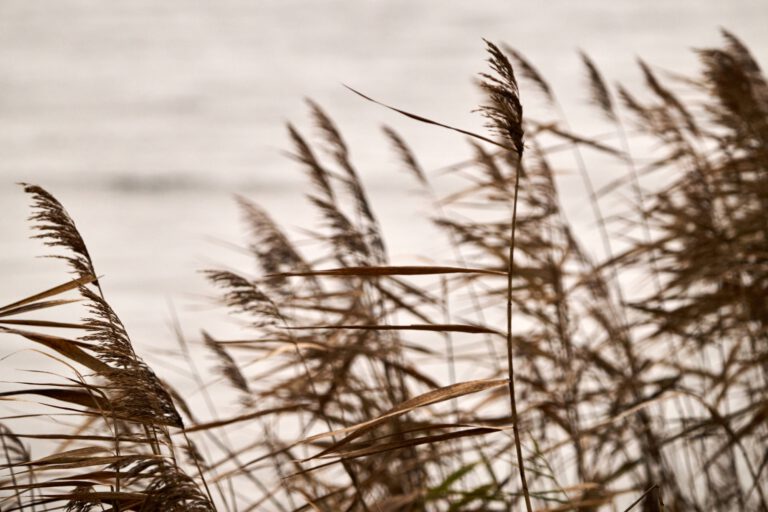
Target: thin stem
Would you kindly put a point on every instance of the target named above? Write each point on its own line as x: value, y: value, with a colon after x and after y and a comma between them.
x: 642, y: 496
x: 510, y: 358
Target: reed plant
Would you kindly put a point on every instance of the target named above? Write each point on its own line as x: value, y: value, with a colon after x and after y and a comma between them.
x: 524, y: 370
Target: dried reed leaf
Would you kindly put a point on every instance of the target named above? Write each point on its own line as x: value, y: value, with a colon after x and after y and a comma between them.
x: 407, y: 443
x: 391, y: 271
x: 429, y: 121
x: 423, y: 400
x: 51, y: 292
x: 73, y: 396
x: 69, y: 348
x: 475, y: 329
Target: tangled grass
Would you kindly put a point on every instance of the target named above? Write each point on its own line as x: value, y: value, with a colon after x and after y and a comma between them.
x: 635, y: 380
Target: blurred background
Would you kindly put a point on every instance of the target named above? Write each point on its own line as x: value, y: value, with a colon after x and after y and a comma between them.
x: 145, y: 118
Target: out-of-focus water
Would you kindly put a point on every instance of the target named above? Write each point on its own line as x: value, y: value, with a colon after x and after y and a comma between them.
x: 145, y: 117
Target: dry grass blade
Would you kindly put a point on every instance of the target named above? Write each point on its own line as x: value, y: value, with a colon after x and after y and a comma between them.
x: 423, y: 400
x: 51, y: 292
x: 44, y: 323
x: 642, y: 497
x: 73, y: 396
x: 69, y: 456
x: 36, y: 306
x: 576, y: 139
x: 391, y: 271
x: 407, y: 443
x: 244, y: 417
x: 474, y: 329
x: 69, y: 348
x: 429, y: 121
